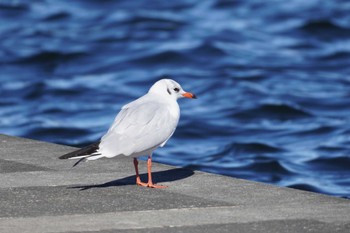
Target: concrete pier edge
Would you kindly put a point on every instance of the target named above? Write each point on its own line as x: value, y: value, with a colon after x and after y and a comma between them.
x: 40, y: 193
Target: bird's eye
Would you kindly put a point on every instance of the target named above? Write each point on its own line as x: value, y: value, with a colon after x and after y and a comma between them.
x: 176, y: 89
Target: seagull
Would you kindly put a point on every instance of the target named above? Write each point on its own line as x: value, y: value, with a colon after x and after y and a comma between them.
x: 139, y: 128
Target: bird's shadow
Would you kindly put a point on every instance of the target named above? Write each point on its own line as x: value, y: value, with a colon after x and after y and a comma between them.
x: 158, y: 177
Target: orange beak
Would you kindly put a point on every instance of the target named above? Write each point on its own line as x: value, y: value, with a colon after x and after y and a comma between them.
x: 189, y: 95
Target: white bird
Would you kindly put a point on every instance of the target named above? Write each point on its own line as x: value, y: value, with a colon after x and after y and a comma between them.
x: 139, y: 128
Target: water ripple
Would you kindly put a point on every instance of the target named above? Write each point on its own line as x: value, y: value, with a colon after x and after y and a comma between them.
x: 272, y: 80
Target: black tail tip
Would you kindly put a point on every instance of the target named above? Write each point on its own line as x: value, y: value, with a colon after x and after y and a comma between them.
x: 80, y: 160
x: 63, y: 157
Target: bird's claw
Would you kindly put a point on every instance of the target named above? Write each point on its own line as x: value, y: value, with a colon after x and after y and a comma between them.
x: 151, y: 185
x: 157, y: 186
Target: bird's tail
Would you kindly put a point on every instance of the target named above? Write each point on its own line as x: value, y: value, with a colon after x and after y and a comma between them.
x: 89, y: 152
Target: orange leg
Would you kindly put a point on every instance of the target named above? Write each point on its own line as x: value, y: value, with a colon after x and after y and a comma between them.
x: 138, y: 179
x: 149, y: 170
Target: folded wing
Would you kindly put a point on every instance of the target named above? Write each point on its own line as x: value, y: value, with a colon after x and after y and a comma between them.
x: 137, y: 128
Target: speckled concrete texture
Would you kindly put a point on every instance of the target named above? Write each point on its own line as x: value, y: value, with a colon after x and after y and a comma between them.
x: 40, y: 193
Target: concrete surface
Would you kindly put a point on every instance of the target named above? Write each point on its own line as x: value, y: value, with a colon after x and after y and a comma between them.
x: 40, y: 193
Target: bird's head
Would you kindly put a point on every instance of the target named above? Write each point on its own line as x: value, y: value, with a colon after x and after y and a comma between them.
x: 170, y: 88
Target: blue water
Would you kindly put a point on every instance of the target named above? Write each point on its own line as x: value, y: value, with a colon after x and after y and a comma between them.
x: 272, y: 77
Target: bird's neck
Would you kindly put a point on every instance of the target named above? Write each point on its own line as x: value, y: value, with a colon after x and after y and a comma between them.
x: 170, y: 102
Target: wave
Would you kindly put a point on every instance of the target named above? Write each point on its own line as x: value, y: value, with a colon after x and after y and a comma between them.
x: 60, y: 135
x: 264, y: 171
x: 14, y: 6
x: 165, y: 21
x: 57, y: 16
x: 318, y: 131
x: 336, y: 55
x: 335, y: 164
x: 162, y: 57
x: 255, y: 147
x: 323, y: 25
x: 326, y: 29
x: 306, y: 187
x: 281, y: 112
x: 49, y: 57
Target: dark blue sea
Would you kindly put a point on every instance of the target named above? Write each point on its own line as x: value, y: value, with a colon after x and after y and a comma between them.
x: 272, y: 77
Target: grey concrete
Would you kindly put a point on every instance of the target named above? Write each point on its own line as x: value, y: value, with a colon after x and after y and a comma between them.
x: 39, y: 193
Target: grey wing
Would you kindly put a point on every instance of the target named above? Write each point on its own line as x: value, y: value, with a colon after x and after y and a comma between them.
x: 138, y: 128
